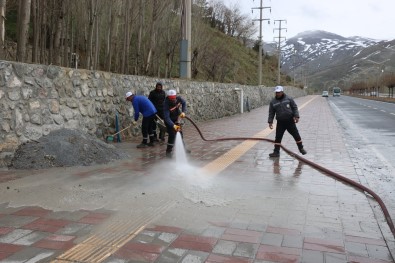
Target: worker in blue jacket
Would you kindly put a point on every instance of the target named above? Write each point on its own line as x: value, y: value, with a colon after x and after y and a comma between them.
x: 143, y: 105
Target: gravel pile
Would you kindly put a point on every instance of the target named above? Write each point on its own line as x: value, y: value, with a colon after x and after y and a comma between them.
x: 63, y: 148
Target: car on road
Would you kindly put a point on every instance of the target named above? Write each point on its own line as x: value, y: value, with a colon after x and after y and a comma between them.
x: 325, y: 93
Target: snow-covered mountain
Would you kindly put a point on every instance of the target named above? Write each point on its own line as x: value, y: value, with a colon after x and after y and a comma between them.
x: 320, y: 49
x: 319, y: 57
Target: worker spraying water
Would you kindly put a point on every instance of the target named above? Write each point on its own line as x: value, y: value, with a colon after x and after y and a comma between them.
x: 174, y: 108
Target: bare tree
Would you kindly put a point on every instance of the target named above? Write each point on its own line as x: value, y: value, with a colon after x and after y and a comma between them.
x: 157, y: 9
x: 2, y: 27
x: 129, y: 37
x: 23, y: 29
x: 246, y: 30
x: 92, y: 15
x: 42, y: 18
x: 126, y: 37
x: 110, y: 35
x: 168, y: 38
x: 59, y: 18
x: 202, y: 46
x: 36, y: 30
x: 172, y: 42
x: 217, y: 15
x: 66, y: 35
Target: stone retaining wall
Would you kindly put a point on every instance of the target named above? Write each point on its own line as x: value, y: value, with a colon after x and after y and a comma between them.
x: 37, y: 99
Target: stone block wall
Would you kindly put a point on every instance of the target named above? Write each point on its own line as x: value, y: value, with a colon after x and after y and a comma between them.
x: 37, y: 99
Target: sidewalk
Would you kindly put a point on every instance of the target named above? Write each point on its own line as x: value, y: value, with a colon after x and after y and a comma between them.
x: 229, y: 203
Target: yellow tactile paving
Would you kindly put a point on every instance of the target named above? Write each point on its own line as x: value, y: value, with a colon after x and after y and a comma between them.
x: 103, y: 244
x: 220, y: 164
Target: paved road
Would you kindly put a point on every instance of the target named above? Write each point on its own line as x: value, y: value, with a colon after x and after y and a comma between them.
x: 369, y: 127
x: 228, y: 203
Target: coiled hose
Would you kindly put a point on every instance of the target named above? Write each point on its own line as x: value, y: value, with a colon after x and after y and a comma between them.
x: 316, y: 166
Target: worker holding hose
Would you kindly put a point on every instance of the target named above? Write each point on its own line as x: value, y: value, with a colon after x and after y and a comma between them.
x: 287, y: 115
x: 174, y: 108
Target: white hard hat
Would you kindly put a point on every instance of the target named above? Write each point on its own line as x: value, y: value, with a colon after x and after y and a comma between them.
x: 279, y: 89
x: 128, y: 94
x: 171, y: 92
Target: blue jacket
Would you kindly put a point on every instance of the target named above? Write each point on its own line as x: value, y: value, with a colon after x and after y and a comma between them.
x: 141, y: 104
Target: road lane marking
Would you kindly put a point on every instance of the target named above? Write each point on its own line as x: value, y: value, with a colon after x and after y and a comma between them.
x: 222, y: 162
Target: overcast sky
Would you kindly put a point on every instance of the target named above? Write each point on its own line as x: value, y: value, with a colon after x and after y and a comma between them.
x: 367, y: 18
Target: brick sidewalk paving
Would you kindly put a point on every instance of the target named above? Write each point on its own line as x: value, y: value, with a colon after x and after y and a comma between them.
x: 255, y: 209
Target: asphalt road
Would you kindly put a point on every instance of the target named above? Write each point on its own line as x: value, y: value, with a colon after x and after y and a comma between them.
x: 369, y: 127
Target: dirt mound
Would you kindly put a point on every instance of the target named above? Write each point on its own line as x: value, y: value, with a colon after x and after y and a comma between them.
x: 64, y: 147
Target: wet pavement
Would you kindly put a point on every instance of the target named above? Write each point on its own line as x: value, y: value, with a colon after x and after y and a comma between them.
x: 229, y: 203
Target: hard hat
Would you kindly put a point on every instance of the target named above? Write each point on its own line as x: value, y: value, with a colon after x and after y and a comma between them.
x: 279, y: 89
x: 172, y: 94
x: 128, y: 94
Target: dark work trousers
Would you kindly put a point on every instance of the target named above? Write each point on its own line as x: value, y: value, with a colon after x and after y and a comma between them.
x: 290, y: 126
x: 172, y: 138
x: 146, y: 128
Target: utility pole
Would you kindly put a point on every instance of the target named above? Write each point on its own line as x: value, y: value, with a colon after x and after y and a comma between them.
x: 261, y: 7
x: 279, y: 47
x: 294, y: 65
x: 185, y: 56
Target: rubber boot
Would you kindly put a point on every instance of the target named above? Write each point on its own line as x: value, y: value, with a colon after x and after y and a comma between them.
x: 169, y: 151
x: 162, y: 136
x: 301, y: 149
x: 276, y: 151
x: 151, y: 140
x: 143, y: 144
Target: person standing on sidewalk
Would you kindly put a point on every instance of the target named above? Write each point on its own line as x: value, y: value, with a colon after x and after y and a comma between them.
x: 141, y: 104
x: 174, y: 108
x: 157, y: 97
x: 287, y: 115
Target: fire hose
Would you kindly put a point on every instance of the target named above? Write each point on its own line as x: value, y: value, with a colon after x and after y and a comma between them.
x: 317, y: 167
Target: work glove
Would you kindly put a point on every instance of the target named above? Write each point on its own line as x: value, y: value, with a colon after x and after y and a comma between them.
x: 134, y: 123
x: 182, y: 115
x: 177, y: 128
x: 271, y: 125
